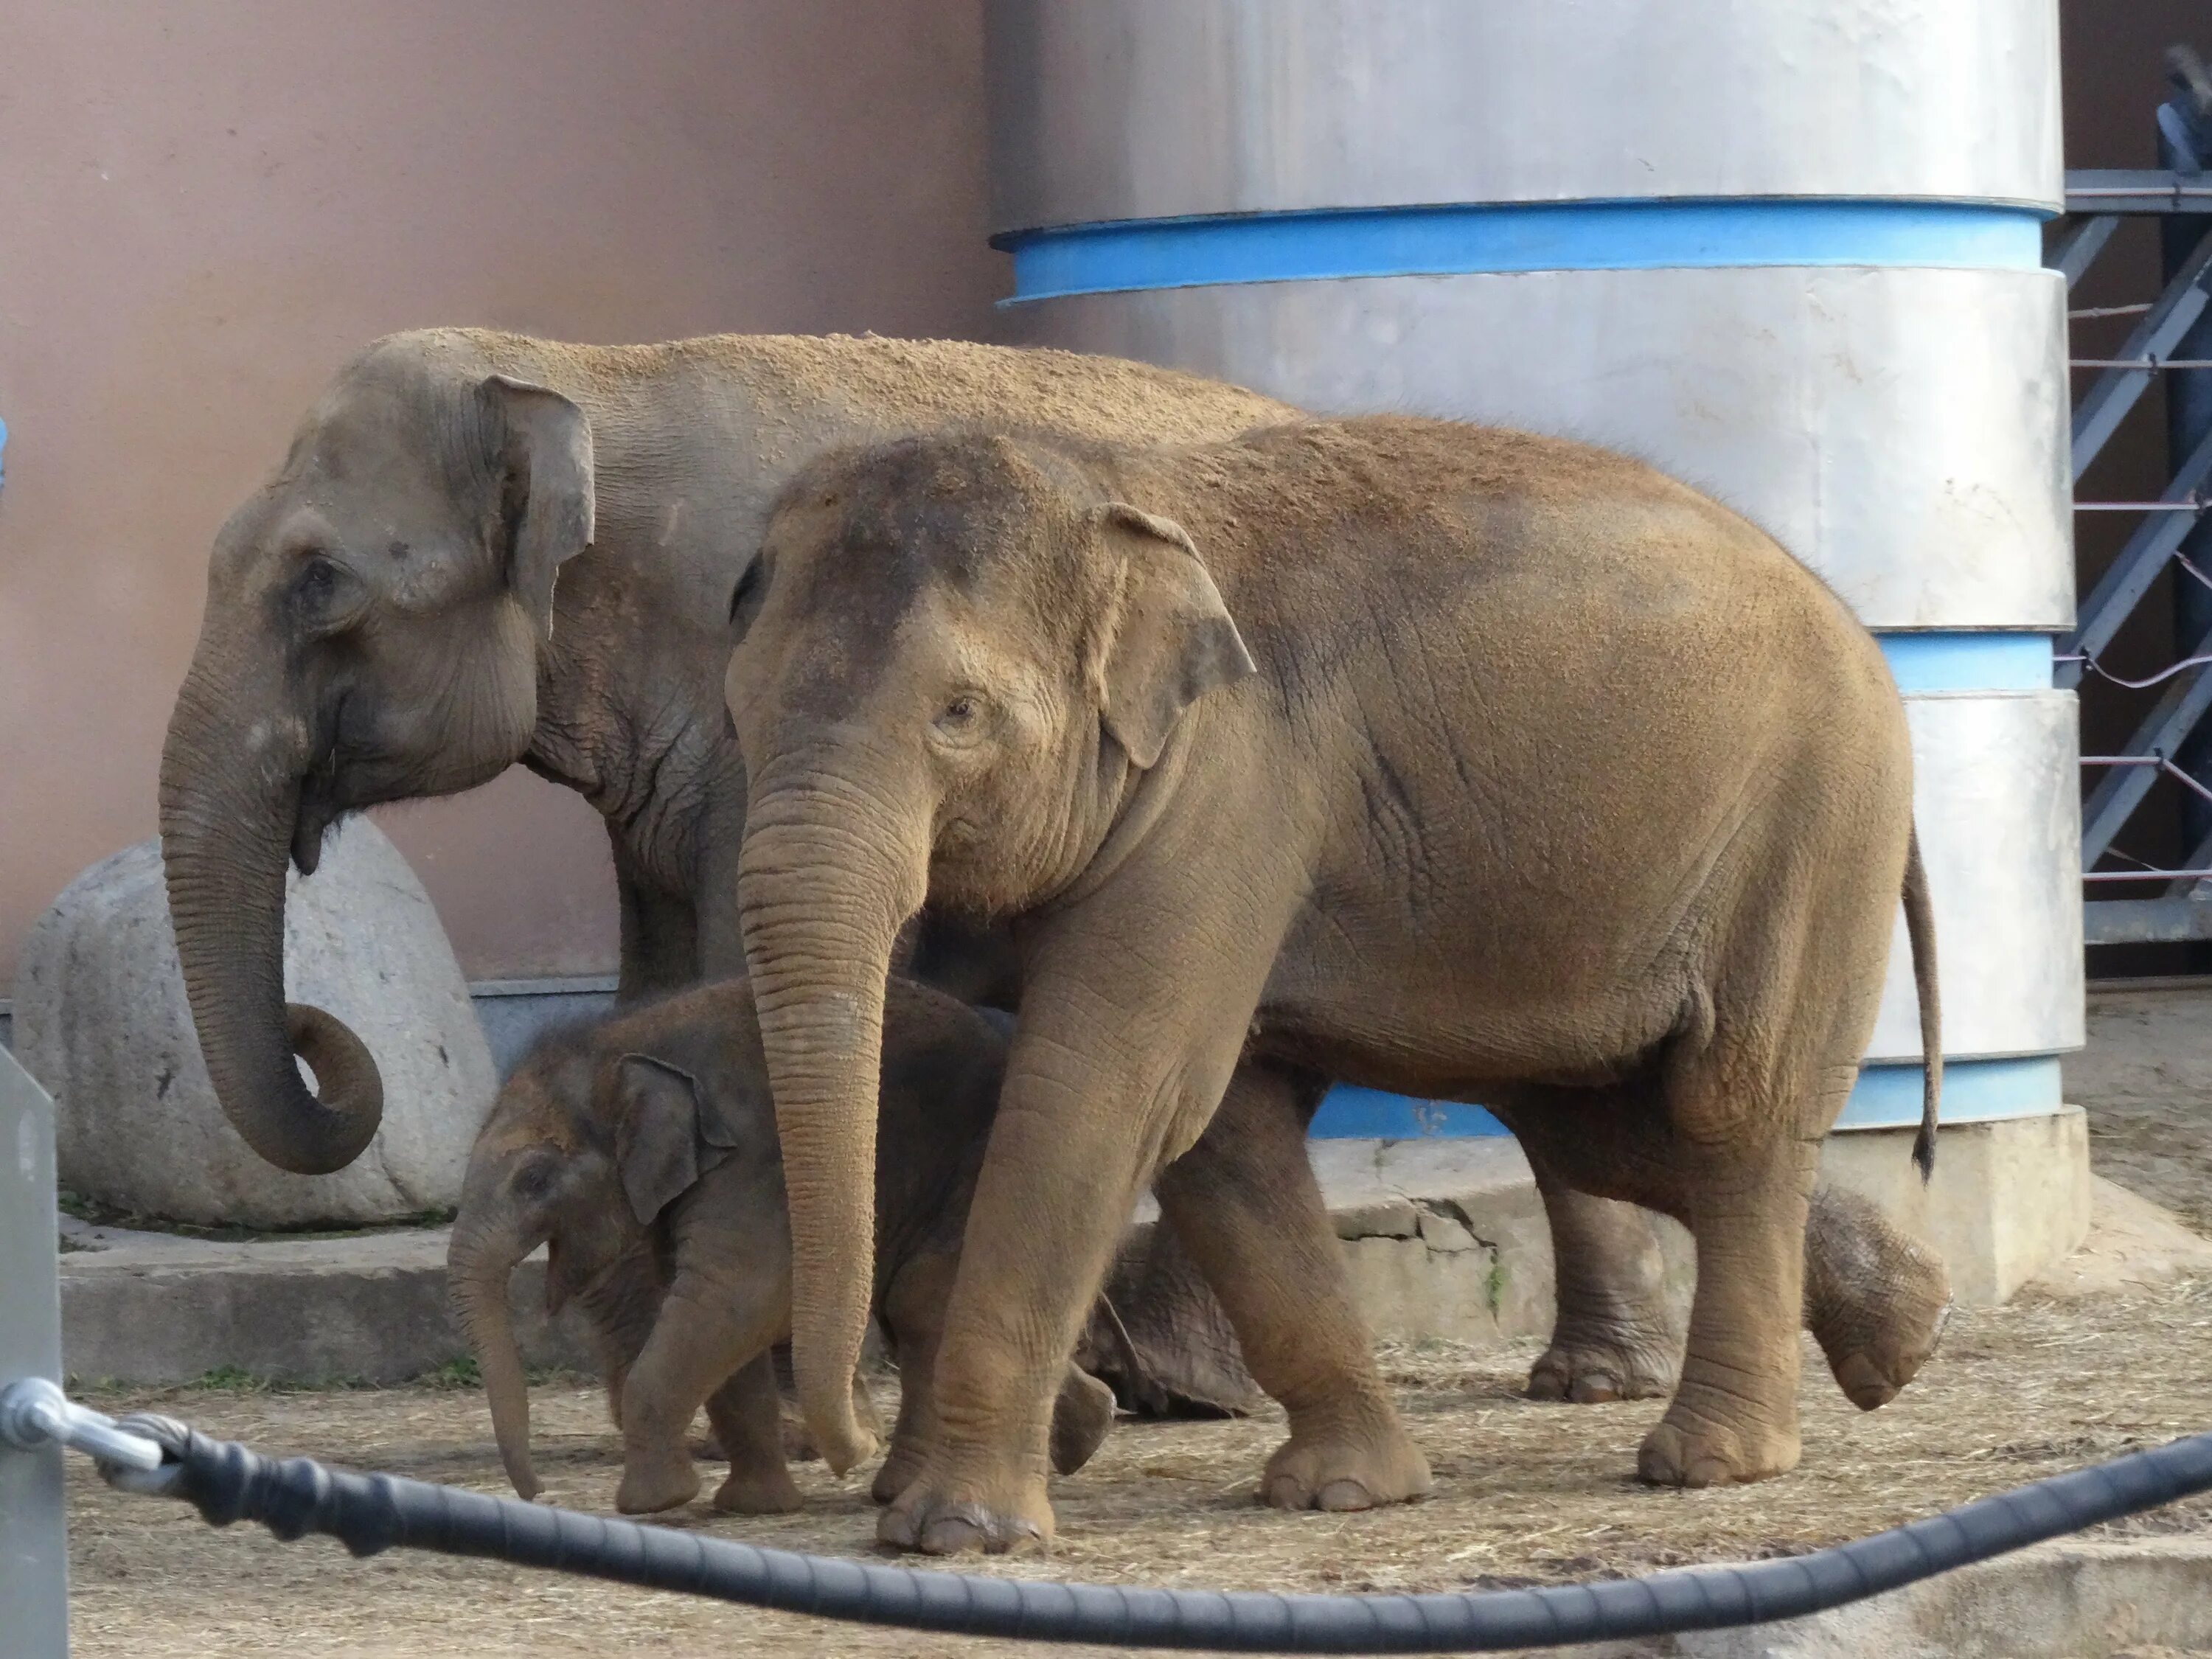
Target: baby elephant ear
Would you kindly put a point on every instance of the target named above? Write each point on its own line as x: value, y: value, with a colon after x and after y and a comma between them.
x: 657, y: 1138
x: 1172, y: 640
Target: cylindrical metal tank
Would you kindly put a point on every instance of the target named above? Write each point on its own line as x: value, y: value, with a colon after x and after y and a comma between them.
x: 1787, y: 250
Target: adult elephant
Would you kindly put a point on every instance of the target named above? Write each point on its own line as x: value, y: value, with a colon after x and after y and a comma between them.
x: 1448, y: 760
x: 484, y: 549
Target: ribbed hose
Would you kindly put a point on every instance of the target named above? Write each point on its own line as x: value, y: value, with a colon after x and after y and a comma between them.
x: 369, y: 1513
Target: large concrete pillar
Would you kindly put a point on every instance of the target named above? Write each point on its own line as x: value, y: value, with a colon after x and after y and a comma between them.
x: 1787, y: 250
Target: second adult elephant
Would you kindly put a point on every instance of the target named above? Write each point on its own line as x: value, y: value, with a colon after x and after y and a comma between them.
x: 1453, y: 761
x: 484, y: 549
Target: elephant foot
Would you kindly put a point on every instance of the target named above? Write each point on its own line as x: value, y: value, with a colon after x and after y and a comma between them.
x: 759, y: 1492
x: 898, y: 1472
x: 939, y: 1515
x: 1876, y: 1299
x: 1345, y: 1471
x: 1080, y: 1417
x: 1689, y: 1450
x: 1588, y: 1364
x: 650, y: 1485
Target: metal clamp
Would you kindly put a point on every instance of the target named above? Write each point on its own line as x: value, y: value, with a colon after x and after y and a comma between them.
x: 34, y: 1413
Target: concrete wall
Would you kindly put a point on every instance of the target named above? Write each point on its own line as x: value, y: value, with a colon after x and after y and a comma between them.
x: 206, y: 205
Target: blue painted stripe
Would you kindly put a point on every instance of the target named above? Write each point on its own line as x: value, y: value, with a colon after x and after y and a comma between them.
x: 1886, y: 1096
x: 1405, y: 241
x: 1350, y: 1113
x: 1974, y: 1090
x: 1969, y: 662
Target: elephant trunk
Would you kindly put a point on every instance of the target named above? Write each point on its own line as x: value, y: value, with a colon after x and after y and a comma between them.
x: 230, y: 798
x: 480, y: 1264
x: 827, y: 876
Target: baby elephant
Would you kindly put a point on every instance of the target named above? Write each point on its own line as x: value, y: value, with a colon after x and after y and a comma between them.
x: 644, y: 1151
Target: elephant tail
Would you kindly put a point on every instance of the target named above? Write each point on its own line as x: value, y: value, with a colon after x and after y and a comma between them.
x: 1920, y: 930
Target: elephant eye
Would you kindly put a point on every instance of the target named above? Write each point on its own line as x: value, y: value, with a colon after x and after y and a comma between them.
x: 325, y: 595
x: 960, y: 714
x: 533, y: 1181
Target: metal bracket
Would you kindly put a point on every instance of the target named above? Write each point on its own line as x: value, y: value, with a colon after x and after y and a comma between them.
x: 34, y: 1553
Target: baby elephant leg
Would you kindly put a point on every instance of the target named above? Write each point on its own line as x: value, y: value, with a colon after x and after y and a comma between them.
x: 914, y: 1315
x: 697, y: 1346
x: 1875, y: 1299
x: 1245, y: 1203
x: 747, y: 1416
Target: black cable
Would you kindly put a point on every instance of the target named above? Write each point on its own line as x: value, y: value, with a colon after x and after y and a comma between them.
x: 373, y: 1512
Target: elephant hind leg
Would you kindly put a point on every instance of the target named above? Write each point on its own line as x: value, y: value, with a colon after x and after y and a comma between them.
x: 1876, y: 1299
x: 1613, y: 1334
x: 1245, y: 1204
x: 1746, y: 1199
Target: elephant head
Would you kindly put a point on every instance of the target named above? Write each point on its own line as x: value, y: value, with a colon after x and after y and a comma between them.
x: 960, y: 656
x: 584, y: 1151
x: 374, y: 614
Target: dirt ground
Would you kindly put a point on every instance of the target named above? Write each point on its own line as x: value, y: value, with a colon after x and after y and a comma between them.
x: 1523, y: 1492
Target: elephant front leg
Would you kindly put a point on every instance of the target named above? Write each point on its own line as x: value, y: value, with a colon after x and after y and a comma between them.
x: 1613, y: 1336
x: 1055, y: 1193
x: 659, y: 933
x: 1245, y: 1204
x: 1087, y: 1115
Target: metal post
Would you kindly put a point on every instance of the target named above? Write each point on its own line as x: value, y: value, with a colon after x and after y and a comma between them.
x: 2185, y: 141
x: 34, y: 1556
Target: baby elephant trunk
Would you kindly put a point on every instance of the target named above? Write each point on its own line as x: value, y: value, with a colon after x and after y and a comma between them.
x: 480, y: 1265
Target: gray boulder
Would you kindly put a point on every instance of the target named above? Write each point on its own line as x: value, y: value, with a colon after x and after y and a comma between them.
x: 100, y: 1020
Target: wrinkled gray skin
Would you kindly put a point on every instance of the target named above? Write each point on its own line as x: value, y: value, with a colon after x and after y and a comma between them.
x: 643, y: 1150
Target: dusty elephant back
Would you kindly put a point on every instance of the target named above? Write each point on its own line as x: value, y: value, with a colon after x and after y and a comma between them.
x: 835, y: 388
x: 1555, y: 670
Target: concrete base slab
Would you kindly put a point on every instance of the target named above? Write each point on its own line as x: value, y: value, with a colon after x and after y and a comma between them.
x: 155, y: 1307
x: 1444, y: 1239
x: 2066, y: 1600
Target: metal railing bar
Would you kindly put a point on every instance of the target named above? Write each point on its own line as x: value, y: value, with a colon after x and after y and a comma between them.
x: 2078, y: 247
x: 2129, y: 577
x: 2107, y: 404
x: 2192, y: 504
x: 2173, y: 717
x: 2133, y: 190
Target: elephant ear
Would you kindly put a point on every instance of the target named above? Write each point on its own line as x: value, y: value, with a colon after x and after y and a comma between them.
x: 547, y: 499
x: 1172, y: 640
x: 657, y: 1137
